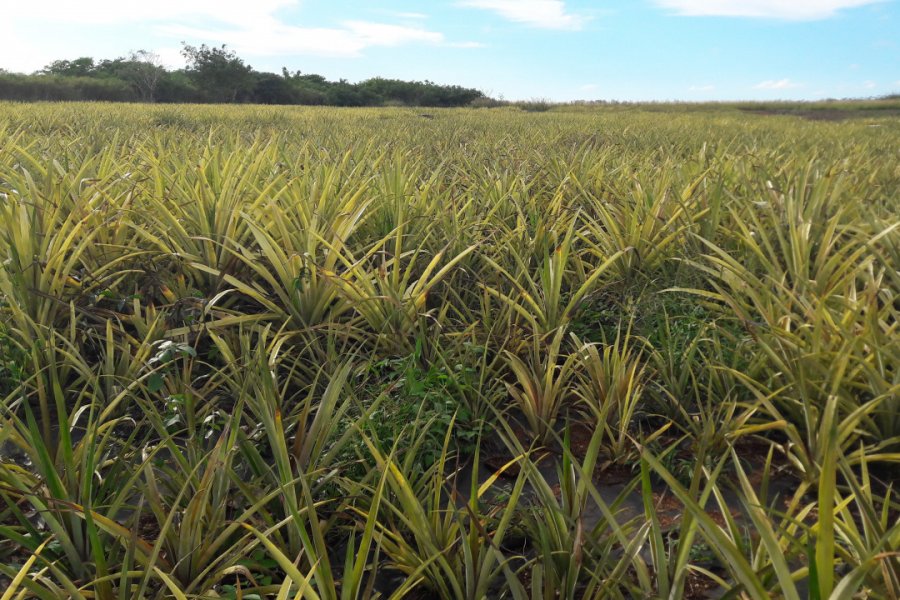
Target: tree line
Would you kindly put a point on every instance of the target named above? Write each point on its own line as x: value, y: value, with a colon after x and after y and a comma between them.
x: 215, y: 74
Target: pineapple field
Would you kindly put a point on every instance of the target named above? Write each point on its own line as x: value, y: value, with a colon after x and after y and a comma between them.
x: 591, y: 352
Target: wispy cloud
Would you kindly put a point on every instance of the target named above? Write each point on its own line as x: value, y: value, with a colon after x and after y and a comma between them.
x: 382, y: 34
x: 276, y: 38
x: 777, y: 84
x: 251, y: 28
x: 702, y: 88
x: 545, y: 14
x: 800, y: 10
x: 100, y: 12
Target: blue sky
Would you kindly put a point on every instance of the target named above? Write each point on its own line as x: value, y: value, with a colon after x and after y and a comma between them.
x: 557, y: 49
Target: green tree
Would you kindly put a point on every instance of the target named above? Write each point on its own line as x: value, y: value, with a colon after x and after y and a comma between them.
x: 80, y: 67
x: 144, y: 70
x: 141, y: 69
x: 219, y: 73
x: 272, y: 89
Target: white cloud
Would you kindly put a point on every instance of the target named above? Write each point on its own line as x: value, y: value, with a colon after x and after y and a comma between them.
x: 276, y: 38
x: 101, y: 12
x: 870, y: 85
x: 589, y: 87
x: 171, y: 58
x: 800, y: 10
x: 779, y: 84
x: 381, y: 34
x: 702, y: 88
x: 250, y: 28
x: 545, y: 14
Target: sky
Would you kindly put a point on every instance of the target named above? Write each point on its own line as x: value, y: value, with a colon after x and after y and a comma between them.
x: 561, y: 50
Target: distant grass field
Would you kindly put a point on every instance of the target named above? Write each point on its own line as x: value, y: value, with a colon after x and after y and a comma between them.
x: 887, y: 106
x: 589, y: 352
